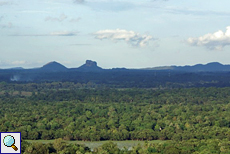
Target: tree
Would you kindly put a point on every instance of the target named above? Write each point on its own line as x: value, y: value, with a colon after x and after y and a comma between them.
x: 110, y: 148
x: 37, y: 148
x: 59, y: 144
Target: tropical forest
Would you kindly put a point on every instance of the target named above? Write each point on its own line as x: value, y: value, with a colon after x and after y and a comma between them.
x: 59, y: 117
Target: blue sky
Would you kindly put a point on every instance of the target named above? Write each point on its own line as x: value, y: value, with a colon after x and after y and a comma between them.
x: 115, y: 33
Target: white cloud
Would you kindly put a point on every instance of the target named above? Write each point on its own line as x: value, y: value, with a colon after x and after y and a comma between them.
x: 130, y: 37
x: 215, y: 41
x: 63, y: 33
x: 61, y: 18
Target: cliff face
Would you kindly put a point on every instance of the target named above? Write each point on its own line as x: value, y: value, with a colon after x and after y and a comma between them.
x: 90, y: 63
x: 89, y: 66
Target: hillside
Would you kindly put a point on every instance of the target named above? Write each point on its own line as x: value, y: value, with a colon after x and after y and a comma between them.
x: 53, y: 67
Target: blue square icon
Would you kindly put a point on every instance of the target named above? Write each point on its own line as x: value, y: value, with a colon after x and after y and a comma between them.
x: 10, y: 142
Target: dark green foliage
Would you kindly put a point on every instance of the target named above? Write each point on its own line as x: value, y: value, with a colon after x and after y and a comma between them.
x: 59, y: 146
x: 195, y: 119
x: 37, y: 148
x: 171, y: 147
x: 109, y: 148
x: 92, y: 115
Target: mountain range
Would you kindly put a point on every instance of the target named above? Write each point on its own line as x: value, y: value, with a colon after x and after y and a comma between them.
x: 210, y: 67
x: 91, y: 66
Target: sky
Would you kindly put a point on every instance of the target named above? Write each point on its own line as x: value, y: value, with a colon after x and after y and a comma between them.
x: 114, y: 33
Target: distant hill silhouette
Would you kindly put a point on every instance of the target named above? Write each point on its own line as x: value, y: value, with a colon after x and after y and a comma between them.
x: 53, y: 67
x: 89, y: 66
x: 210, y: 67
x: 215, y: 74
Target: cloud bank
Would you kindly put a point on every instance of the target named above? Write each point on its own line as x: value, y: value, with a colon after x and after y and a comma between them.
x: 131, y: 37
x: 215, y: 41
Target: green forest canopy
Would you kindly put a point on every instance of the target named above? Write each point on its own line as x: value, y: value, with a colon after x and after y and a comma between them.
x: 179, y: 115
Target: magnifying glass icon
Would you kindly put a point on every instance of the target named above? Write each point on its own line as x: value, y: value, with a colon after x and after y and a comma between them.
x: 9, y: 141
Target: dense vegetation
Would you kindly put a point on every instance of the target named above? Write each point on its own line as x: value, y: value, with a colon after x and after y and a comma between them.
x: 183, y: 147
x: 194, y: 119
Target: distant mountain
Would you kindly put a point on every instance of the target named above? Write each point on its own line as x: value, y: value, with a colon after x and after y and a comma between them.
x: 89, y: 66
x: 210, y: 67
x: 53, y: 67
x: 149, y: 77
